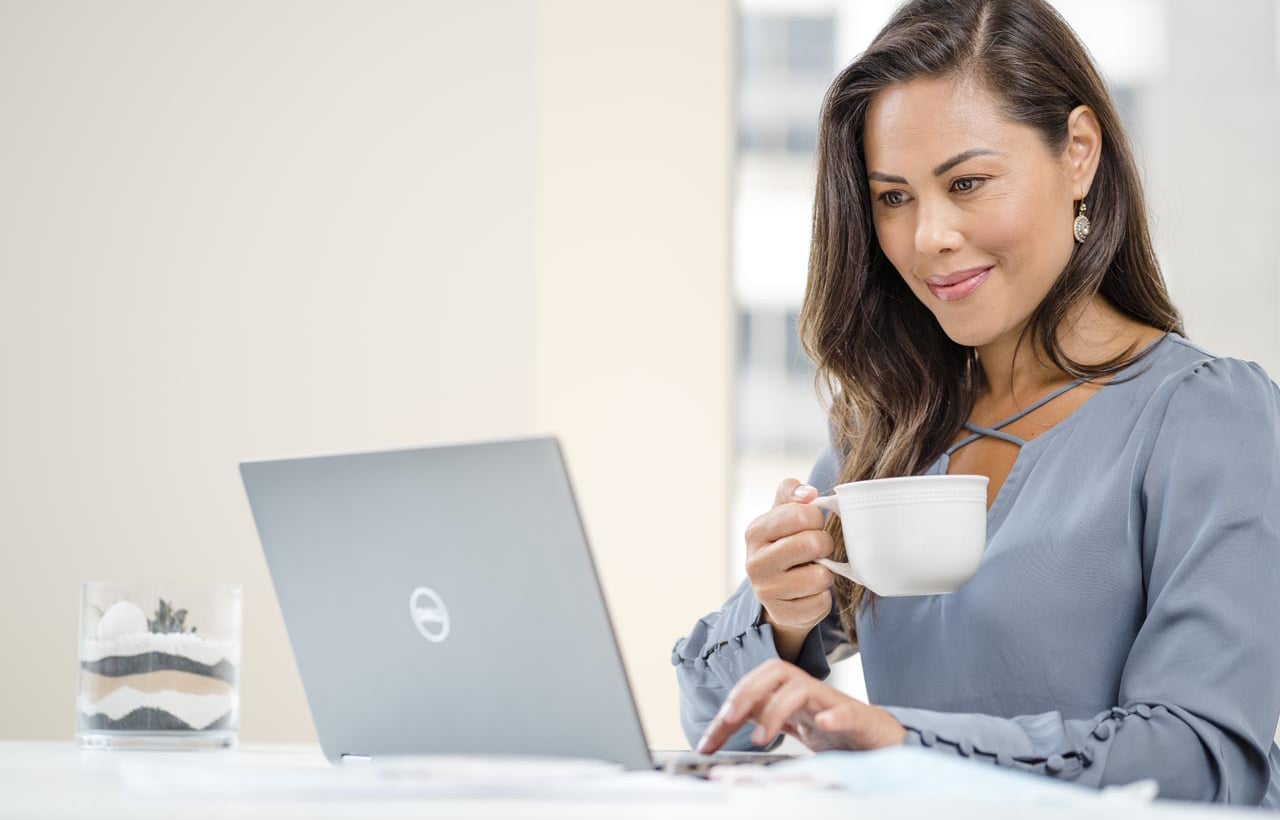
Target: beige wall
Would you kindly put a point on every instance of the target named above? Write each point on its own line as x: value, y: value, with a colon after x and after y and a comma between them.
x: 634, y: 335
x: 251, y: 229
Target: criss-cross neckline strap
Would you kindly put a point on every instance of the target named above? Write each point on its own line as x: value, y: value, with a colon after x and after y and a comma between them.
x: 994, y: 430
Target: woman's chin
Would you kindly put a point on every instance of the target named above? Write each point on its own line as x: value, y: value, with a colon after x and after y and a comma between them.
x: 970, y: 335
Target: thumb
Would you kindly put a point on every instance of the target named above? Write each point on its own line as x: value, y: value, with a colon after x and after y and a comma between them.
x: 791, y: 490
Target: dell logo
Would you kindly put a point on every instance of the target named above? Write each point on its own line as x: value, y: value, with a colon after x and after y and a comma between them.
x: 429, y: 614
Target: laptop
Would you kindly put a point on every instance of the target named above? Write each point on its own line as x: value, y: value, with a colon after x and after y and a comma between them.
x: 443, y: 600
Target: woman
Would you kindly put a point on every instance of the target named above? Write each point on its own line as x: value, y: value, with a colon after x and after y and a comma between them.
x: 983, y: 298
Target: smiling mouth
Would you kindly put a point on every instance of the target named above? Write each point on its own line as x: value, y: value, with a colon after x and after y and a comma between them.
x: 961, y: 289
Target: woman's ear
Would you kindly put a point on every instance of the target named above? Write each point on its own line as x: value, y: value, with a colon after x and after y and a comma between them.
x: 1084, y: 149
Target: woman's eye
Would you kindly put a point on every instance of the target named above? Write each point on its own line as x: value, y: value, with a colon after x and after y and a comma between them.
x: 966, y: 184
x: 891, y: 198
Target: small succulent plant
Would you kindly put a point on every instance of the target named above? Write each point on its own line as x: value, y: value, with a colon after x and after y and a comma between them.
x: 168, y: 619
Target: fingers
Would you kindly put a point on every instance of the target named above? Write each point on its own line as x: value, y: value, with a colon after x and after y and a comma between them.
x: 788, y: 570
x: 816, y: 603
x: 857, y: 725
x: 783, y: 521
x: 779, y: 592
x: 771, y: 567
x: 782, y: 545
x: 780, y: 697
x: 793, y: 490
x: 785, y: 702
x: 743, y: 700
x: 794, y: 620
x: 795, y: 607
x: 799, y: 549
x: 838, y: 718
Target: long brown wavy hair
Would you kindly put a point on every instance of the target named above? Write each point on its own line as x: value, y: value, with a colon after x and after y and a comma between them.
x: 898, y: 389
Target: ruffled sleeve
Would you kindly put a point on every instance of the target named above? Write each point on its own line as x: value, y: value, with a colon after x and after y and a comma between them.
x: 727, y: 644
x: 1199, y: 698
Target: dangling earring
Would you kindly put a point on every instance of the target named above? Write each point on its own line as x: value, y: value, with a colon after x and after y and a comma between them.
x: 1081, y: 226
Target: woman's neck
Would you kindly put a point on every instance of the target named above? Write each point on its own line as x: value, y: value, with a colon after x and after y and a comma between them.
x: 1095, y: 333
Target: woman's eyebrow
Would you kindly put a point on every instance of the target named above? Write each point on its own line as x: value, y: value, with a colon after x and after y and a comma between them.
x: 941, y: 169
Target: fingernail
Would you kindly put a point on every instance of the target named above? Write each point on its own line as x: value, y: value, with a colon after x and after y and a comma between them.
x: 757, y: 737
x: 801, y: 491
x: 726, y: 709
x: 702, y: 744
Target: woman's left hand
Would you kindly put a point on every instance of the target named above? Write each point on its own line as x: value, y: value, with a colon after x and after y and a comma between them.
x: 782, y: 697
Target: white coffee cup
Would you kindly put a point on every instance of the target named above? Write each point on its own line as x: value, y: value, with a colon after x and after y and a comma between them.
x: 915, y: 535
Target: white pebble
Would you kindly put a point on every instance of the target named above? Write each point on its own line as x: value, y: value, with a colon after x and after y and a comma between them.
x: 123, y: 618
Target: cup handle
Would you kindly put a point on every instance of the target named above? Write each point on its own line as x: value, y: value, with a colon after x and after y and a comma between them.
x: 827, y: 502
x: 845, y: 570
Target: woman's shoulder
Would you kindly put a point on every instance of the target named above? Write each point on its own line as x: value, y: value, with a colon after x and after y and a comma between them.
x: 1209, y: 445
x: 1188, y: 367
x: 1192, y: 387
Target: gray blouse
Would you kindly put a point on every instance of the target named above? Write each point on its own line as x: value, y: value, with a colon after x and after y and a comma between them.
x: 1125, y: 620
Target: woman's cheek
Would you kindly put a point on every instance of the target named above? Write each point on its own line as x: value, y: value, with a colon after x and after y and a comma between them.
x: 896, y: 241
x: 1005, y: 228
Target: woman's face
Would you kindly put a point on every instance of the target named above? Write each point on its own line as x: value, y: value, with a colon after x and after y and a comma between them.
x: 972, y: 210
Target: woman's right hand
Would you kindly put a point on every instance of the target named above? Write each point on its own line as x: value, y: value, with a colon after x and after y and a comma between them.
x: 782, y: 545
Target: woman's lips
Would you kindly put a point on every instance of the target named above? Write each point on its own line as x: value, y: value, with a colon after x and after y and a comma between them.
x: 961, y: 289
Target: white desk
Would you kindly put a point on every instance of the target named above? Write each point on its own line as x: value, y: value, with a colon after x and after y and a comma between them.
x: 56, y: 780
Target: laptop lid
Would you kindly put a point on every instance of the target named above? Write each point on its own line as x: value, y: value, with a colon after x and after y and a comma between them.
x: 443, y: 600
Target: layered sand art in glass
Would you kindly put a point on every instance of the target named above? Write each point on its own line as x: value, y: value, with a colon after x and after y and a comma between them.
x: 159, y: 665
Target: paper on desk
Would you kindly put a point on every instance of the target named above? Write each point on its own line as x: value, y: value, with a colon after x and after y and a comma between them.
x: 910, y: 772
x: 441, y: 776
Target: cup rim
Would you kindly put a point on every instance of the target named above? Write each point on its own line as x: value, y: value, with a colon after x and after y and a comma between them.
x: 961, y: 479
x: 233, y: 587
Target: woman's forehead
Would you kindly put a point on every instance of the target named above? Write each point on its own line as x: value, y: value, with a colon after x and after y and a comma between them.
x: 924, y: 122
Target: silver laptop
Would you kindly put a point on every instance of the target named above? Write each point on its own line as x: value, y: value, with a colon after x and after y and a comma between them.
x: 443, y: 600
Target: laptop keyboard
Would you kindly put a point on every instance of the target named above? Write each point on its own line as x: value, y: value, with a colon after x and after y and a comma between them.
x: 692, y: 763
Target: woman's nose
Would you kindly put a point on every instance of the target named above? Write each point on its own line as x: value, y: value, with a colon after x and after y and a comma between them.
x: 935, y: 230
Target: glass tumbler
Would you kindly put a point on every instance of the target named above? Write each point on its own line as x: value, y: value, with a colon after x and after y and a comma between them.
x: 159, y: 665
